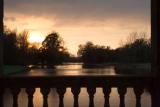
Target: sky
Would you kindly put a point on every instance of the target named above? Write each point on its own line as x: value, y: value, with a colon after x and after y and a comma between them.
x: 104, y: 22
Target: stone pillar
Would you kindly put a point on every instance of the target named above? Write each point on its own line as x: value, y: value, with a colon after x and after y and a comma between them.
x: 155, y: 39
x: 1, y: 35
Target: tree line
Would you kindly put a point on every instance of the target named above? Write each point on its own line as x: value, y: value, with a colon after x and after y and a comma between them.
x: 137, y: 49
x: 18, y: 51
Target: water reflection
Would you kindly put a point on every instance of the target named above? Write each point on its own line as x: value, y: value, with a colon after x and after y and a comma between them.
x: 70, y: 69
x: 77, y: 69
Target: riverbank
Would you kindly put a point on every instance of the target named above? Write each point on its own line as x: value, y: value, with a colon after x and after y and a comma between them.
x: 122, y: 65
x: 123, y: 68
x: 133, y: 68
x: 12, y: 69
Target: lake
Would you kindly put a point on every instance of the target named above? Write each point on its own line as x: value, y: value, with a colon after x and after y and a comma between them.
x: 76, y: 69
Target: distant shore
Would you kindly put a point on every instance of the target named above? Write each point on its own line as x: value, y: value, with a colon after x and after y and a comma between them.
x: 125, y: 65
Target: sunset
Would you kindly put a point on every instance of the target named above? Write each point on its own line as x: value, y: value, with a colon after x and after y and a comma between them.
x: 79, y: 53
x: 35, y: 37
x: 102, y: 24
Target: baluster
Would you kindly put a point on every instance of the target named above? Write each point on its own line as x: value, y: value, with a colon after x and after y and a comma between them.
x: 138, y: 92
x: 122, y: 91
x: 152, y: 96
x: 1, y: 97
x: 106, y: 91
x: 30, y: 92
x: 15, y: 92
x: 91, y: 91
x: 45, y: 92
x: 61, y: 91
x: 76, y: 91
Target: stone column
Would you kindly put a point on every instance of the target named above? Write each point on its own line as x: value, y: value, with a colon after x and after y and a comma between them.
x: 155, y: 39
x: 1, y: 35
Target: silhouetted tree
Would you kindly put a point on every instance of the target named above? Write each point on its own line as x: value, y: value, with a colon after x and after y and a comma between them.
x: 33, y: 55
x: 10, y: 47
x: 136, y: 49
x: 52, y: 50
x: 91, y: 53
x: 23, y: 46
x: 17, y: 50
x: 22, y: 41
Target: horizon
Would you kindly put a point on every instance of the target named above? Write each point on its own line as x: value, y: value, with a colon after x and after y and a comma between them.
x: 73, y: 22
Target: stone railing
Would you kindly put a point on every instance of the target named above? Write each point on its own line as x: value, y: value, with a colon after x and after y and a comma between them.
x: 121, y: 82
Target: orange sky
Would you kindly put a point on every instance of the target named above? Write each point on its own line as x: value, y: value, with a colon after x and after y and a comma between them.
x: 101, y: 25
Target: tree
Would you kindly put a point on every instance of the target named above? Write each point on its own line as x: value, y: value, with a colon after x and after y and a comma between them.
x: 10, y: 46
x: 22, y: 41
x: 23, y: 46
x: 33, y: 55
x: 52, y: 50
x: 136, y: 49
x: 91, y: 53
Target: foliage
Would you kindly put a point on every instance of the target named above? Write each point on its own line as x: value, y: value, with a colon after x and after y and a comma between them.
x: 17, y: 50
x: 10, y: 48
x: 23, y: 46
x: 53, y: 50
x: 91, y: 53
x: 137, y: 49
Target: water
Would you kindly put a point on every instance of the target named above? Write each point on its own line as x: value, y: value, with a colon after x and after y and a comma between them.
x: 70, y: 69
x: 76, y: 69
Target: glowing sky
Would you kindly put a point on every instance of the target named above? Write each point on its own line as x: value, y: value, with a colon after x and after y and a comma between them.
x: 105, y: 22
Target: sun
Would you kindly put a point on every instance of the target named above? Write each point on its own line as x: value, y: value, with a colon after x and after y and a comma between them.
x: 35, y: 37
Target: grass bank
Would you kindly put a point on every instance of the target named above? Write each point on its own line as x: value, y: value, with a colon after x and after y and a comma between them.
x: 12, y: 69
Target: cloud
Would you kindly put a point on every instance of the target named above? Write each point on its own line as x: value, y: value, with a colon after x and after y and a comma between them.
x: 81, y: 10
x: 124, y: 14
x: 104, y: 22
x: 10, y: 19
